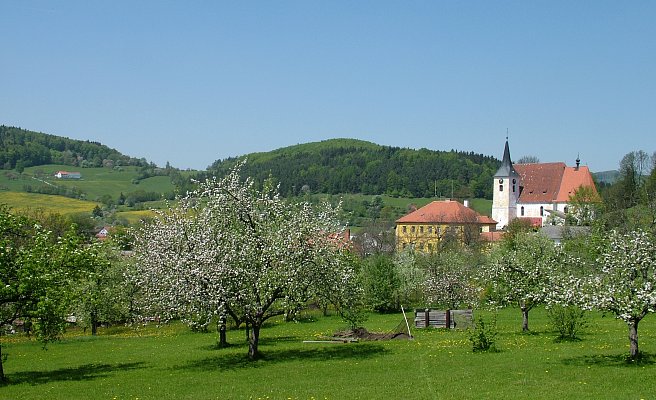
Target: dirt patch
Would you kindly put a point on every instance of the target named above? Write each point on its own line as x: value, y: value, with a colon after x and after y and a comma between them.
x: 363, y: 334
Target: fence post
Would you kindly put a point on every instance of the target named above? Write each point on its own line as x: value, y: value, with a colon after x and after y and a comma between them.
x: 448, y: 319
x: 427, y: 316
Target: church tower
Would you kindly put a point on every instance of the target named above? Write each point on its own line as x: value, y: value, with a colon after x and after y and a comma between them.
x: 505, y: 191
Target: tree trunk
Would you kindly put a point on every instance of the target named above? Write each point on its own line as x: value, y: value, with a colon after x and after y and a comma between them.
x: 223, y: 341
x: 2, y: 370
x: 248, y: 331
x: 524, y: 319
x: 253, y: 342
x: 633, y: 339
x: 94, y: 324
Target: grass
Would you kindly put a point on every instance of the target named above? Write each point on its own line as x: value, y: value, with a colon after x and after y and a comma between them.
x: 49, y: 203
x: 171, y: 362
x: 95, y: 182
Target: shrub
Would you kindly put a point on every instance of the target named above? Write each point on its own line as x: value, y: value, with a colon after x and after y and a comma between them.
x: 484, y: 334
x: 568, y: 321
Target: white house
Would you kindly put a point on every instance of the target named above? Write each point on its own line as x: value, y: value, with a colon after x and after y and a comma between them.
x: 68, y: 175
x: 535, y: 191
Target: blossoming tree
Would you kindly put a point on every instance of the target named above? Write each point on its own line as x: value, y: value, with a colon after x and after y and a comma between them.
x: 520, y: 272
x: 230, y: 247
x: 625, y: 284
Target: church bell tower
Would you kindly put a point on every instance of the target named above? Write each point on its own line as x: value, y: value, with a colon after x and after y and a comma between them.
x: 505, y: 191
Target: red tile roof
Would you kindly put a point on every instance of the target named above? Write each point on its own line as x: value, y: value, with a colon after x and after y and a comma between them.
x: 550, y: 182
x: 447, y: 212
x: 573, y: 179
x: 535, y: 222
x: 493, y: 236
x: 540, y: 182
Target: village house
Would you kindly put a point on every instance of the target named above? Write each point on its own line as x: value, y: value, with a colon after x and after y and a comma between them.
x: 426, y: 227
x: 104, y: 232
x: 68, y: 175
x: 536, y: 191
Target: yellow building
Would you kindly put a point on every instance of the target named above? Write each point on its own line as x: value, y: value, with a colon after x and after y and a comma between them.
x: 426, y: 227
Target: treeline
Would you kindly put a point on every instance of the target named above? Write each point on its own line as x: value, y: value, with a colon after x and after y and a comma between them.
x: 353, y: 166
x: 20, y: 148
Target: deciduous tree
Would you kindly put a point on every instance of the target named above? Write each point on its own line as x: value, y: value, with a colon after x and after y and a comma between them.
x: 625, y: 283
x: 37, y: 272
x: 520, y: 271
x: 229, y: 246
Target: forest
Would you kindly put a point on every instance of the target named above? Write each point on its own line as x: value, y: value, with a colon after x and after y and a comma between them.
x: 20, y: 148
x: 354, y: 166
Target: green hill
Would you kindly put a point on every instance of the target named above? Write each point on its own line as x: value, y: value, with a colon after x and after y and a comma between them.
x: 354, y: 170
x: 355, y: 166
x: 95, y: 184
x: 20, y: 148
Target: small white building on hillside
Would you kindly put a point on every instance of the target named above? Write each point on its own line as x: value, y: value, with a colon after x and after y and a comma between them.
x: 68, y: 175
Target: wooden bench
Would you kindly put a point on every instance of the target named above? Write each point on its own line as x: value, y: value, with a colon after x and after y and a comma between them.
x: 452, y: 319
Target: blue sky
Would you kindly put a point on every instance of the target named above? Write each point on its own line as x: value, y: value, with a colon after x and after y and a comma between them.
x: 191, y: 82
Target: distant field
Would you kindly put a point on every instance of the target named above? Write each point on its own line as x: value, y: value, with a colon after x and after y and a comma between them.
x: 134, y: 217
x: 55, y: 204
x: 95, y: 182
x: 482, y: 206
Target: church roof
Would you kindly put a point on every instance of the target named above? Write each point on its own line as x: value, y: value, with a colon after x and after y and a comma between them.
x: 540, y: 182
x: 506, y: 168
x: 551, y: 182
x: 574, y: 178
x: 446, y: 212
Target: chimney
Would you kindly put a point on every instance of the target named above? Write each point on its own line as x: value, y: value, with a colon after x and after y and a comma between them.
x: 578, y: 162
x: 465, y: 203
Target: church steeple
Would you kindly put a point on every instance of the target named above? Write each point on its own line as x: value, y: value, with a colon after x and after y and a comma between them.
x: 505, y: 191
x: 506, y: 168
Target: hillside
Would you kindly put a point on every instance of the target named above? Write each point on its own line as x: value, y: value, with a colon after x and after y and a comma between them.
x: 21, y: 148
x: 355, y: 166
x: 607, y: 177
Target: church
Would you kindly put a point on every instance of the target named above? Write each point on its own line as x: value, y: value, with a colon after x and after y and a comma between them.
x: 535, y: 191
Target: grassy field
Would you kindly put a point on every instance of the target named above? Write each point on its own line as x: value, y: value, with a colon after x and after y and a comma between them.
x: 95, y: 182
x: 173, y: 363
x: 49, y: 203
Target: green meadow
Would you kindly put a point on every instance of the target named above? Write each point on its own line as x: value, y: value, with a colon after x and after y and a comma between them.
x: 95, y: 182
x: 171, y: 362
x: 50, y: 203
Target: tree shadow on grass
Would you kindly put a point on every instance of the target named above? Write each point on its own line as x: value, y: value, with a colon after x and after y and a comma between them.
x: 263, y: 341
x: 612, y: 360
x: 84, y: 372
x: 234, y: 361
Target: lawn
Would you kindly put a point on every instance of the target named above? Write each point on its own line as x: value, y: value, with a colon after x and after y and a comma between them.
x: 172, y: 362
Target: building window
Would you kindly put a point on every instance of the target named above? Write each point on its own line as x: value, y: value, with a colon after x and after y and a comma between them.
x: 501, y: 188
x: 430, y: 230
x: 405, y: 229
x: 412, y: 229
x: 566, y: 209
x: 513, y: 188
x: 522, y: 211
x: 430, y: 247
x: 541, y: 211
x: 421, y: 229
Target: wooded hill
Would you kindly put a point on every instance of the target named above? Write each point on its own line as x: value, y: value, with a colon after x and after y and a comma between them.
x: 355, y: 166
x: 20, y: 148
x: 333, y: 166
